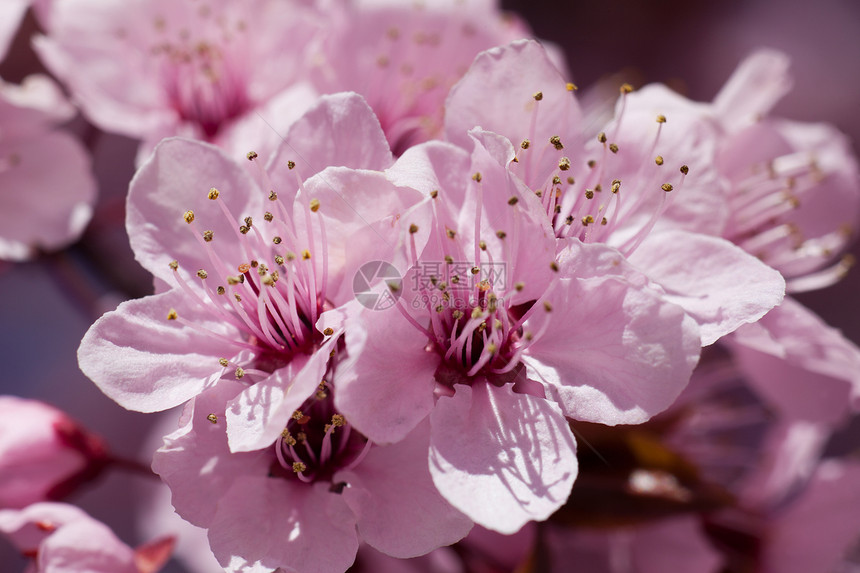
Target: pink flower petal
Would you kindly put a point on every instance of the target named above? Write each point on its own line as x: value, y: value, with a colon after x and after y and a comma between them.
x: 47, y: 194
x: 147, y: 363
x: 717, y: 283
x: 388, y: 365
x: 757, y: 84
x: 614, y: 353
x: 503, y: 459
x: 257, y: 416
x: 177, y: 178
x: 284, y: 524
x: 399, y: 510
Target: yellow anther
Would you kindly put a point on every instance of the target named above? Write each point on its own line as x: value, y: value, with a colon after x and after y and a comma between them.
x: 291, y: 164
x: 299, y: 467
x: 556, y: 142
x: 625, y: 88
x: 684, y: 169
x: 315, y: 205
x: 212, y: 418
x: 174, y: 265
x: 477, y: 176
x: 613, y: 148
x: 202, y: 274
x: 658, y: 160
x: 666, y: 187
x: 501, y: 234
x: 328, y: 331
x: 513, y: 200
x: 538, y: 96
x: 571, y: 87
x: 661, y: 118
x: 601, y: 137
x: 564, y: 163
x: 413, y: 228
x: 189, y: 217
x: 213, y: 194
x: 547, y: 306
x: 525, y: 144
x: 306, y: 254
x: 240, y: 373
x: 172, y: 315
x: 252, y: 155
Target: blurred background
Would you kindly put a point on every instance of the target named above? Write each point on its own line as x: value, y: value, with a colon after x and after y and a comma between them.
x: 49, y: 303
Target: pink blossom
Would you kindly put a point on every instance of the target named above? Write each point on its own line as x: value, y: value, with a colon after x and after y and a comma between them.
x: 404, y: 57
x: 244, y: 297
x: 44, y: 454
x: 150, y: 70
x: 498, y: 359
x: 311, y: 496
x: 60, y: 537
x: 624, y: 186
x: 43, y: 208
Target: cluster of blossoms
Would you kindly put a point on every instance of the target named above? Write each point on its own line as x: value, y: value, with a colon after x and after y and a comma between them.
x: 401, y: 271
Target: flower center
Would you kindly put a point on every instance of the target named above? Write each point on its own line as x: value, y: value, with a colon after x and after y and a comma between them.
x: 582, y: 197
x: 318, y: 441
x: 273, y: 296
x: 204, y: 79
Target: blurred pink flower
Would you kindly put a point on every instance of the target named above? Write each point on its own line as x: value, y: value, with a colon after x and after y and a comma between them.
x: 311, y: 496
x: 152, y: 69
x: 404, y: 57
x: 60, y: 537
x: 44, y: 454
x: 46, y: 187
x: 11, y: 14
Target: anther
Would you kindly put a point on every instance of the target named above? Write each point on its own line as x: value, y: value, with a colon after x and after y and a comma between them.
x: 556, y: 142
x: 338, y: 420
x: 538, y: 96
x: 434, y: 193
x: 174, y: 265
x: 604, y: 221
x: 666, y: 187
x: 299, y: 467
x: 613, y: 148
x: 276, y: 240
x: 220, y: 290
x: 571, y: 87
x: 476, y: 312
x: 291, y: 164
x: 601, y: 137
x: 451, y: 233
x: 547, y: 306
x: 589, y: 194
x: 684, y: 169
x: 513, y: 200
x: 315, y: 205
x: 189, y: 217
x: 172, y: 314
x: 661, y: 118
x: 554, y: 266
x: 568, y: 220
x: 616, y: 185
x: 243, y: 268
x: 625, y: 88
x: 658, y: 160
x: 571, y: 181
x: 525, y: 144
x: 587, y: 220
x: 457, y: 314
x: 212, y: 418
x: 239, y: 373
x: 449, y: 259
x: 519, y: 287
x: 413, y: 228
x: 202, y: 274
x: 477, y: 176
x: 482, y: 245
x: 223, y: 362
x: 501, y: 234
x: 564, y: 163
x: 252, y: 155
x: 208, y: 236
x: 328, y: 331
x: 213, y: 193
x: 244, y: 229
x: 556, y: 180
x: 306, y: 254
x: 591, y: 163
x: 273, y: 196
